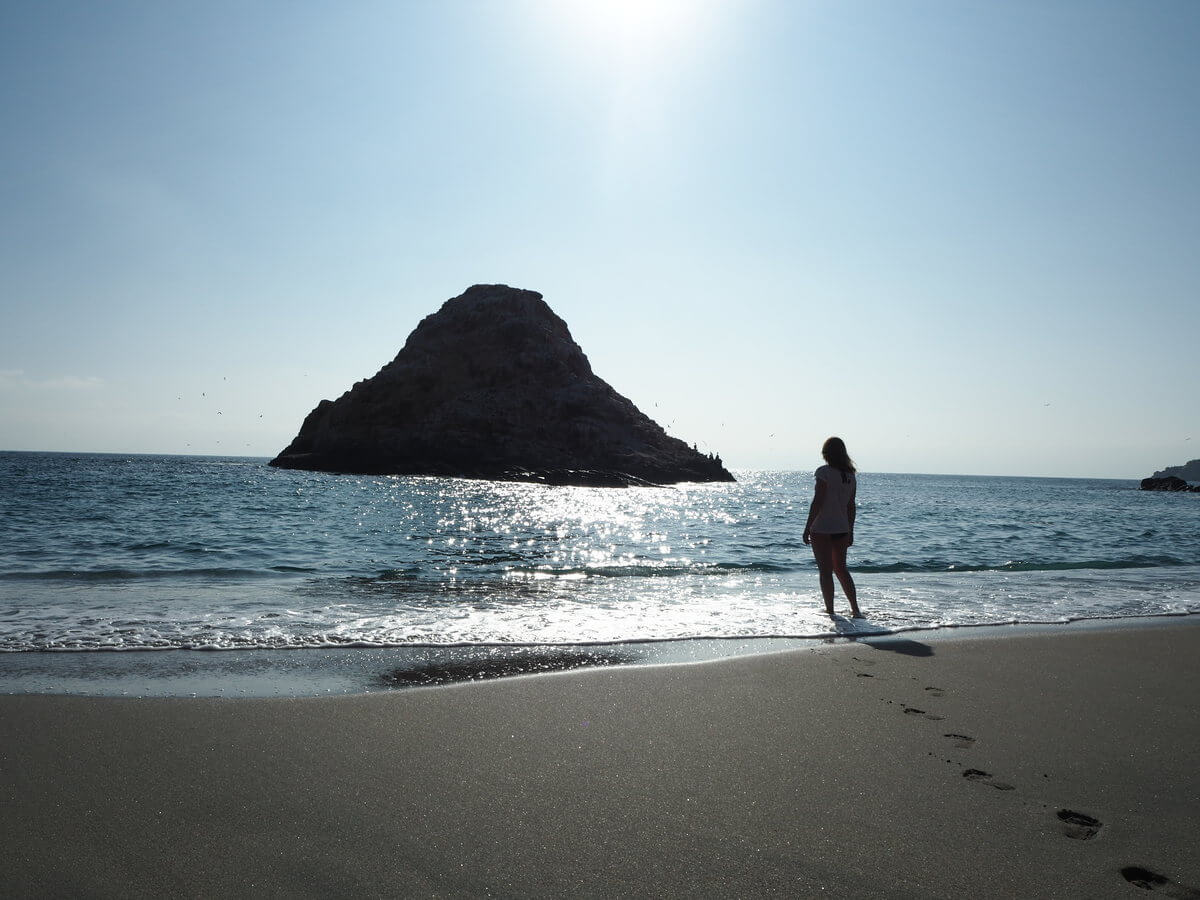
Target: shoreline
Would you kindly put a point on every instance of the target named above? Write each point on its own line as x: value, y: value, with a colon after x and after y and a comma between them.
x: 326, y: 671
x: 1020, y: 765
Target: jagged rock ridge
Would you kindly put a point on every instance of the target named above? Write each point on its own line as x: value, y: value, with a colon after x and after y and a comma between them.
x: 1189, y: 471
x: 493, y: 386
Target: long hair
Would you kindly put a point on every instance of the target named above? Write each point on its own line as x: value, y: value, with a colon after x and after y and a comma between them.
x: 834, y: 451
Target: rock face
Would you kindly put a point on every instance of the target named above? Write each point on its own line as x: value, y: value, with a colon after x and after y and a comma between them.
x: 493, y: 386
x: 1169, y: 483
x: 1189, y: 471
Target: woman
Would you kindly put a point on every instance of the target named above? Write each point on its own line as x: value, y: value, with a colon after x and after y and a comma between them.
x: 830, y: 527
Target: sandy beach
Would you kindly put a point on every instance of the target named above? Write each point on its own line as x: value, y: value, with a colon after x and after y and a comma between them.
x: 1055, y: 764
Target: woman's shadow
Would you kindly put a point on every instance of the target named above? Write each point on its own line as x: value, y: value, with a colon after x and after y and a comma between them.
x: 877, y: 637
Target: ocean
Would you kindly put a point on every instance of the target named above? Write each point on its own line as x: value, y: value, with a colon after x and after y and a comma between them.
x: 137, y: 553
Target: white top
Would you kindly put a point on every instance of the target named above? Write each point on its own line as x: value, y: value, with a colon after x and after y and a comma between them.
x: 832, y: 517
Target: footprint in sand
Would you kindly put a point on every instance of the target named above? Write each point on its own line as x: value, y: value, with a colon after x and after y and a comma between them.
x: 913, y: 711
x: 987, y: 778
x: 865, y: 662
x: 962, y: 741
x: 1079, y: 826
x: 935, y: 692
x: 864, y: 674
x: 1152, y: 881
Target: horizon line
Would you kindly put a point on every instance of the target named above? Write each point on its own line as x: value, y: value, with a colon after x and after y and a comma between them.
x: 732, y: 469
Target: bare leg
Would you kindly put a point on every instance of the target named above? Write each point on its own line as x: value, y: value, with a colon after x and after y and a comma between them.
x: 838, y: 552
x: 822, y: 547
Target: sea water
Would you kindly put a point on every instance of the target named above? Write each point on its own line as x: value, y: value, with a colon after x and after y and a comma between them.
x: 125, y: 552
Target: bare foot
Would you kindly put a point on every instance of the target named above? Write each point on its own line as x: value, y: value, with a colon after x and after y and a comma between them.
x: 856, y: 614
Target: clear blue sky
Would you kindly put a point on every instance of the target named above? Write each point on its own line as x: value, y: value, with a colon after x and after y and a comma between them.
x: 963, y: 235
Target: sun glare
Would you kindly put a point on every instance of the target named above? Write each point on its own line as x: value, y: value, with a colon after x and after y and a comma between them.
x: 632, y: 31
x: 636, y: 58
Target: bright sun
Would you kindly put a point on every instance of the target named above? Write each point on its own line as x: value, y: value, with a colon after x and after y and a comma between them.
x: 635, y: 31
x: 636, y: 57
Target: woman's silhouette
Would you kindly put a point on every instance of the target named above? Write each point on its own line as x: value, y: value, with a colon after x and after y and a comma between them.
x: 830, y: 526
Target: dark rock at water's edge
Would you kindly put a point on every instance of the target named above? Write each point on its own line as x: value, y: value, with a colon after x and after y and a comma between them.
x: 1189, y: 471
x: 501, y: 662
x: 493, y: 386
x: 1169, y: 483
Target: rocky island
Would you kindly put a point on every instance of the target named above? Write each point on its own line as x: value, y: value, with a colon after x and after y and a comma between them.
x: 493, y: 386
x: 1174, y: 478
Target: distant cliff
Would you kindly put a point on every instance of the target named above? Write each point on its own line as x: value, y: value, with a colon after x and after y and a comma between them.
x: 1189, y: 471
x: 493, y: 386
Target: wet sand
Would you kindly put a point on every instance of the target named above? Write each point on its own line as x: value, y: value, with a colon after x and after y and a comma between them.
x: 1057, y: 764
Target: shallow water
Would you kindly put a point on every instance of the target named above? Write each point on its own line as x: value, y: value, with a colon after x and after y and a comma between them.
x: 152, y: 552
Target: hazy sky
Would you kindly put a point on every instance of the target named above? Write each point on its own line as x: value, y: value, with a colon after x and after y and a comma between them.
x: 963, y: 235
